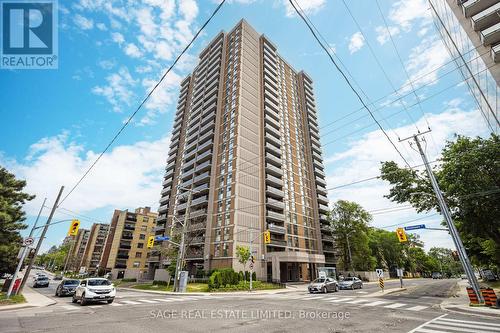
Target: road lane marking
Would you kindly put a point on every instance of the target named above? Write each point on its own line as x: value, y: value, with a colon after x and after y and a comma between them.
x: 394, y: 305
x: 164, y: 299
x: 359, y: 301
x: 436, y: 325
x: 147, y: 301
x: 421, y: 327
x: 116, y: 304
x: 70, y: 307
x: 417, y: 308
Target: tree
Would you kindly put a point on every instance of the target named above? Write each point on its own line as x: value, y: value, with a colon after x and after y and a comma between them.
x: 349, y: 223
x: 469, y: 177
x: 243, y: 254
x: 12, y: 198
x: 445, y: 262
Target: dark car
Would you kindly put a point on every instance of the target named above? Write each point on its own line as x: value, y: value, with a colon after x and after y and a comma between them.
x: 41, y: 281
x: 67, y: 287
x: 323, y: 285
x: 351, y: 283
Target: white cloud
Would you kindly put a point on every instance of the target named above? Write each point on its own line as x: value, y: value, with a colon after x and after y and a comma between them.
x: 383, y: 35
x: 308, y: 6
x: 356, y: 42
x: 127, y: 176
x: 405, y: 12
x: 118, y: 90
x: 117, y: 37
x: 362, y: 160
x: 107, y: 64
x: 132, y: 50
x: 101, y: 26
x: 83, y: 22
x: 423, y: 61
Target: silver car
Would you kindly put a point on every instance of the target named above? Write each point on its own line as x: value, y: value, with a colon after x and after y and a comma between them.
x: 323, y: 285
x: 351, y: 283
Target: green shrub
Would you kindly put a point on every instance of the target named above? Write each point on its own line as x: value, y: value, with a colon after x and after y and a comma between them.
x: 160, y: 283
x: 254, y: 276
x: 129, y: 280
x: 241, y: 276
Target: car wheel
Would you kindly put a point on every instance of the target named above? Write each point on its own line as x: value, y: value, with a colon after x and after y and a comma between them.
x: 324, y: 290
x: 361, y: 286
x: 336, y: 288
x: 74, y: 300
x: 352, y: 286
x: 57, y: 293
x: 110, y: 301
x: 83, y: 301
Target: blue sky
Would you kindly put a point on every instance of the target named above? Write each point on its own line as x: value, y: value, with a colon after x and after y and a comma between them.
x: 55, y: 122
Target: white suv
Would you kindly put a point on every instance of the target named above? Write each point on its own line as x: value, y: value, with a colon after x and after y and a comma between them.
x: 94, y: 289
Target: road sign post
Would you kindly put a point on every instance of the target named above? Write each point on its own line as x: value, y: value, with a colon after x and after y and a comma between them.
x: 400, y: 275
x: 381, y: 283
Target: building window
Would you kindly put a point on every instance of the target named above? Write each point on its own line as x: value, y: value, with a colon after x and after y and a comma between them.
x: 144, y: 228
x: 138, y: 254
x: 140, y: 245
x: 142, y: 236
x: 137, y: 263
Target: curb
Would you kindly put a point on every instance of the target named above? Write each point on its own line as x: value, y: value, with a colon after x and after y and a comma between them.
x: 386, y: 292
x: 461, y: 310
x: 24, y: 306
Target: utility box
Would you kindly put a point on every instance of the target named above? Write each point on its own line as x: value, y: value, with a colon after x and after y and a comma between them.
x: 183, y: 279
x: 324, y: 272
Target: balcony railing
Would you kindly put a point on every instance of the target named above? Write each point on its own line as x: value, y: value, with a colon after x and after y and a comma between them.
x: 280, y: 217
x: 271, y: 191
x: 276, y: 229
x: 274, y: 180
x: 273, y: 203
x: 271, y: 169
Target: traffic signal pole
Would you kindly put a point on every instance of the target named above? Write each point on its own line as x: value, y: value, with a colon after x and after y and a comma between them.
x: 39, y: 243
x: 464, y: 259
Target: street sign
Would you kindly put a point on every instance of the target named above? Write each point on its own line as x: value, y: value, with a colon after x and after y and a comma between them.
x: 151, y: 242
x: 380, y: 272
x: 73, y: 228
x: 162, y: 238
x: 28, y: 241
x: 399, y: 271
x: 415, y: 227
x: 400, y: 232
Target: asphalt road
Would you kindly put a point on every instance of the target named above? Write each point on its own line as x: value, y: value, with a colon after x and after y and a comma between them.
x: 415, y: 310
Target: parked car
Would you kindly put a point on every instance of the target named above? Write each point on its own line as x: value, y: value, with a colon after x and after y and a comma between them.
x: 351, y: 283
x: 94, y: 289
x: 437, y: 275
x: 41, y: 281
x: 67, y: 287
x: 323, y: 285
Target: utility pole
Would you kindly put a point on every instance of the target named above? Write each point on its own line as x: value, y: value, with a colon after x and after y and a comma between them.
x: 464, y: 259
x: 39, y: 244
x: 180, y: 257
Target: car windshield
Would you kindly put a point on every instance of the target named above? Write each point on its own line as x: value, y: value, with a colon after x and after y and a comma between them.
x: 320, y: 280
x: 349, y: 279
x: 43, y: 278
x: 71, y: 282
x: 99, y: 282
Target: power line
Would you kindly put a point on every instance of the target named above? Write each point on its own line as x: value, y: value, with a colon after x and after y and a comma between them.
x: 131, y: 117
x: 349, y: 83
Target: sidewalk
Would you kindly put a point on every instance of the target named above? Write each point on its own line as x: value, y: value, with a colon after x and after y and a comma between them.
x: 460, y: 304
x: 33, y: 299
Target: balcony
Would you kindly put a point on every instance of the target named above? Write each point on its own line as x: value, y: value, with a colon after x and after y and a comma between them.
x: 328, y: 249
x: 203, y: 166
x: 276, y: 229
x: 274, y: 216
x: 273, y: 159
x: 271, y: 103
x: 122, y: 256
x: 486, y: 18
x: 271, y: 130
x: 201, y: 188
x: 317, y: 156
x: 323, y: 208
x: 125, y: 246
x: 274, y: 192
x: 272, y: 139
x: 473, y: 7
x: 170, y: 166
x: 271, y: 169
x: 197, y: 226
x: 205, y: 146
x: 154, y: 259
x: 273, y: 149
x: 205, y: 156
x: 127, y: 236
x: 323, y: 217
x: 491, y: 35
x: 327, y: 238
x: 197, y: 213
x: 201, y: 178
x: 274, y: 181
x: 272, y: 113
x: 197, y: 240
x: 322, y: 199
x: 275, y: 204
x: 200, y: 201
x: 164, y: 199
x: 166, y: 190
x: 159, y: 228
x: 277, y: 242
x: 320, y: 181
x: 129, y: 227
x: 271, y: 121
x: 319, y: 172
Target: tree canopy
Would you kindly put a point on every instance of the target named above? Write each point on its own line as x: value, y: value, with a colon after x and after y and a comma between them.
x: 12, y: 216
x: 469, y: 177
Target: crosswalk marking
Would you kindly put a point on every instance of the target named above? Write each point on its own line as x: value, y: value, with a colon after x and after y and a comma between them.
x: 394, y: 305
x: 442, y: 324
x: 130, y: 302
x: 147, y: 301
x: 338, y: 300
x: 469, y: 322
x: 376, y: 303
x: 164, y: 299
x: 357, y: 301
x: 69, y: 307
x: 116, y: 304
x: 417, y: 308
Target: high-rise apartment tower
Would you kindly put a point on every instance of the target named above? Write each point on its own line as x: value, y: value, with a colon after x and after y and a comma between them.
x: 245, y: 142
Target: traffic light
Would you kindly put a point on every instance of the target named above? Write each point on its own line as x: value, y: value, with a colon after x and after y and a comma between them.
x: 267, y: 237
x: 400, y: 232
x: 151, y: 242
x: 73, y: 228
